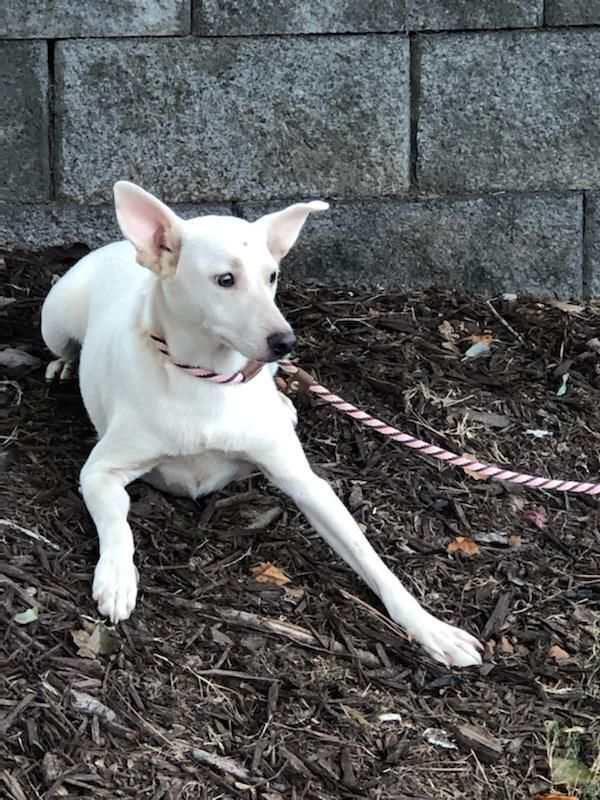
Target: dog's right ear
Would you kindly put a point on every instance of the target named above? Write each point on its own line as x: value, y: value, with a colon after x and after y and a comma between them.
x: 151, y: 227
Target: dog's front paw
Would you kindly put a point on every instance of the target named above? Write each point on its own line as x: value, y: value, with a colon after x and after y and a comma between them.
x: 445, y: 643
x: 115, y: 586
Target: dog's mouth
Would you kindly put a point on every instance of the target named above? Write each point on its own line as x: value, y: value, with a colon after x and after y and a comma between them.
x: 264, y: 358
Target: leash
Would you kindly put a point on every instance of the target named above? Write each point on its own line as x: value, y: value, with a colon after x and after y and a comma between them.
x: 300, y: 381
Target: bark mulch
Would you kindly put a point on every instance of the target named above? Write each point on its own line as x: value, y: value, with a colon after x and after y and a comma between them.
x: 223, y: 686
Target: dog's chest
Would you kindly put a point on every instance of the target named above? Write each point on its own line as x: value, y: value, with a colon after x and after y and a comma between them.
x: 230, y: 419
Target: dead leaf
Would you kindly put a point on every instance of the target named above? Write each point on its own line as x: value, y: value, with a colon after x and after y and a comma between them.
x: 537, y: 516
x: 447, y: 330
x: 594, y: 344
x: 82, y: 701
x: 485, y: 337
x: 372, y: 312
x: 451, y: 347
x: 554, y: 796
x: 557, y: 653
x: 487, y: 417
x: 568, y: 308
x: 11, y: 358
x: 464, y: 544
x: 354, y: 713
x: 505, y: 645
x: 514, y: 540
x: 295, y: 592
x: 473, y: 473
x: 264, y: 519
x: 95, y: 640
x: 570, y: 772
x: 266, y: 572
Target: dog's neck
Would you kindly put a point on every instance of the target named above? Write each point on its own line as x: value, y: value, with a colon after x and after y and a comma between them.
x: 189, y: 344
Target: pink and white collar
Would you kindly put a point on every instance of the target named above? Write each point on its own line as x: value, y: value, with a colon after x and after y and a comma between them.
x: 244, y: 375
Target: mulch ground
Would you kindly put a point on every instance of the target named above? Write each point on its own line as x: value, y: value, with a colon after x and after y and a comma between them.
x: 223, y: 686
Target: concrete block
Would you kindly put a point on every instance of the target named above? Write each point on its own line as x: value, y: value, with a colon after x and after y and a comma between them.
x: 446, y: 15
x: 503, y: 111
x: 256, y: 17
x: 53, y: 19
x: 24, y: 159
x: 220, y: 119
x: 572, y: 12
x: 35, y: 227
x: 501, y: 243
x: 591, y: 247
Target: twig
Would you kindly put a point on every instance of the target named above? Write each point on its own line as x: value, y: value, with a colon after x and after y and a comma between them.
x: 224, y: 764
x: 505, y: 323
x: 296, y: 633
x: 32, y: 534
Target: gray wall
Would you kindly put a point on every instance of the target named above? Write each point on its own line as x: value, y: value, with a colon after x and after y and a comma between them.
x: 458, y: 140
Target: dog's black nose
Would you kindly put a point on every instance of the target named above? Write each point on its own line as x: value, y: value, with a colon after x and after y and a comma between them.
x: 281, y: 343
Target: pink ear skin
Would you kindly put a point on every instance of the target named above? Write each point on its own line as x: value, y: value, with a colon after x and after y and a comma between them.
x: 283, y: 227
x: 151, y: 227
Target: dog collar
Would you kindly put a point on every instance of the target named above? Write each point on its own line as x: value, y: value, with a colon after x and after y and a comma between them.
x: 244, y: 375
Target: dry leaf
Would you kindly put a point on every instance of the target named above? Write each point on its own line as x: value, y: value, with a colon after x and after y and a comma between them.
x: 266, y: 572
x: 472, y: 473
x: 557, y: 653
x: 451, y: 347
x: 354, y: 713
x: 568, y: 308
x: 447, y: 330
x: 11, y: 357
x: 514, y: 540
x: 295, y: 592
x: 464, y: 545
x: 554, y: 796
x: 96, y: 639
x: 372, y: 312
x: 505, y: 645
x: 82, y: 701
x: 485, y: 337
x: 537, y: 516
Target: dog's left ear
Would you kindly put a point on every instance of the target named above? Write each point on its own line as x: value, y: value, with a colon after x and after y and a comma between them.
x: 151, y: 227
x: 282, y: 228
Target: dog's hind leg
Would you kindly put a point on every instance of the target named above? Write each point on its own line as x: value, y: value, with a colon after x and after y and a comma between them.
x: 64, y: 320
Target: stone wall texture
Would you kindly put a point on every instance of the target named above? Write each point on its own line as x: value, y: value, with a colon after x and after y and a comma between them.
x: 457, y: 142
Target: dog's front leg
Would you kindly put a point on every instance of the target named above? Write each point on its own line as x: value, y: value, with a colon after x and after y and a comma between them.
x: 286, y: 465
x: 106, y: 473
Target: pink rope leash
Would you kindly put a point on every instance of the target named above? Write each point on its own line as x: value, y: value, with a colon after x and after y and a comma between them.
x: 301, y: 380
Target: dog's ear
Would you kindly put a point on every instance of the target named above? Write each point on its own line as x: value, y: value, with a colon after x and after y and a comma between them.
x: 152, y: 228
x: 282, y: 228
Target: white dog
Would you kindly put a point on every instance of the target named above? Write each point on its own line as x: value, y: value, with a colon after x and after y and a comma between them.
x: 176, y: 373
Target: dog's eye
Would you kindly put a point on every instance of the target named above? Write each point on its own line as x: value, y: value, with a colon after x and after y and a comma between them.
x: 273, y: 277
x: 226, y: 280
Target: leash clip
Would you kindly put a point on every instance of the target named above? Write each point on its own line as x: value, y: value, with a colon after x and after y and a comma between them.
x: 295, y: 380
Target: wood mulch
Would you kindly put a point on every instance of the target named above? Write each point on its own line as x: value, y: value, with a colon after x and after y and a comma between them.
x: 223, y: 686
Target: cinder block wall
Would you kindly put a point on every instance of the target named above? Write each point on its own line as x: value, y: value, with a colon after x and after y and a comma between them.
x: 458, y: 140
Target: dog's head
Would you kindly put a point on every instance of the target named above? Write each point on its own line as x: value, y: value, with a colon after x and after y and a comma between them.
x: 218, y: 273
